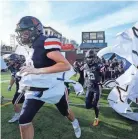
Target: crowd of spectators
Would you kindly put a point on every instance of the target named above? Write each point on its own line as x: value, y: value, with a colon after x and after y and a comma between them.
x: 111, y: 69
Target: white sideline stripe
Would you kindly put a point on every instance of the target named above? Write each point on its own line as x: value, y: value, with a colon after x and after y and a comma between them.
x: 8, y: 103
x: 7, y: 99
x: 4, y: 81
x: 100, y: 105
x: 75, y: 104
x: 70, y: 103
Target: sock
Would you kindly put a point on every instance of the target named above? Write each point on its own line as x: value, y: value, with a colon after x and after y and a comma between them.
x: 16, y: 113
x: 96, y: 118
x: 75, y: 123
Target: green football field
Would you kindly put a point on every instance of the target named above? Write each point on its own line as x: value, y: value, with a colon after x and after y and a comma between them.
x: 49, y: 124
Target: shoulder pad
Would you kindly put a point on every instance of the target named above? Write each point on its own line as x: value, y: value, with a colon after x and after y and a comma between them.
x: 52, y: 42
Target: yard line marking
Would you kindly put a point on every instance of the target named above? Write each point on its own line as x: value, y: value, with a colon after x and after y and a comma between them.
x: 8, y: 103
x: 8, y: 99
x: 100, y: 105
x: 5, y: 81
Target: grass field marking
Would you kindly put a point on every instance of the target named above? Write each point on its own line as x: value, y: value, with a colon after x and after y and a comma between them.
x: 4, y: 81
x: 8, y: 103
x: 77, y: 104
x: 8, y: 99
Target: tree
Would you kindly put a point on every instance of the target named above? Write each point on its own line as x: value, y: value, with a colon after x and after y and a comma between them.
x: 74, y: 43
x: 63, y: 40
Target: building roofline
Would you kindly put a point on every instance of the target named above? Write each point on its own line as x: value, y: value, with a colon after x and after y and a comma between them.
x: 52, y: 29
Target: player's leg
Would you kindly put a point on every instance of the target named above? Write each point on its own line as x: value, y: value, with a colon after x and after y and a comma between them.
x: 88, y: 99
x: 81, y: 80
x: 62, y: 106
x: 96, y: 120
x: 95, y: 106
x: 19, y: 98
x: 29, y: 110
x: 91, y: 102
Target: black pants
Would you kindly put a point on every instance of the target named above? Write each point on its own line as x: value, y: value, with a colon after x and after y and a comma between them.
x: 18, y: 98
x: 32, y: 106
x: 81, y: 81
x: 92, y: 98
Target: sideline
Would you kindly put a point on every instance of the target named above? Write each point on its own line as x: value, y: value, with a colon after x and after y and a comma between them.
x: 100, y: 105
x: 5, y: 81
x: 8, y: 103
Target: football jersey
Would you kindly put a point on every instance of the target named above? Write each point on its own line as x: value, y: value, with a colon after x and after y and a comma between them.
x: 42, y: 46
x: 92, y: 73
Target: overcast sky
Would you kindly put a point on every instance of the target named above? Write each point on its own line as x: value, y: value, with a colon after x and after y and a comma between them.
x: 70, y: 18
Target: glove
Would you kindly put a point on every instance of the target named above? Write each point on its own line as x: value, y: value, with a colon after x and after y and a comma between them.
x: 9, y: 88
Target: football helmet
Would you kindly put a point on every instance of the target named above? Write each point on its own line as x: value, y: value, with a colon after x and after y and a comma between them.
x: 28, y: 30
x: 12, y: 59
x: 90, y: 57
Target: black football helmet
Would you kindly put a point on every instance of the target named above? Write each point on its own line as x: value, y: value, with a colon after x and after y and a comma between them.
x: 28, y: 30
x: 13, y: 59
x: 90, y: 57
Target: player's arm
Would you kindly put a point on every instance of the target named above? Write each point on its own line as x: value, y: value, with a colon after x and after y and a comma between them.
x: 61, y: 63
x: 85, y: 74
x: 99, y: 70
x: 54, y: 54
x: 84, y: 70
x: 100, y: 74
x: 11, y: 83
x: 75, y: 69
x: 52, y: 48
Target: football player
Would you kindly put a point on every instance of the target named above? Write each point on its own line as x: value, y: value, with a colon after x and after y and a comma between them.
x: 93, y: 77
x: 14, y: 62
x: 47, y: 59
x: 79, y: 68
